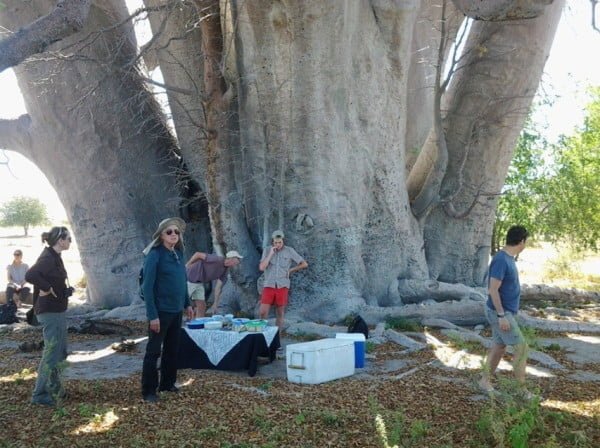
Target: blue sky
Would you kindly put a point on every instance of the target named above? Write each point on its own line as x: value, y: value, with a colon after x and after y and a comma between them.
x: 572, y: 67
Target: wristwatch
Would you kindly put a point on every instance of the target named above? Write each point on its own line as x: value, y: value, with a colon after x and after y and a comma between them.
x: 500, y: 316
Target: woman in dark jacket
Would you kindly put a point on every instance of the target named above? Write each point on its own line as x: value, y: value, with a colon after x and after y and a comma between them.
x: 165, y: 292
x: 50, y: 296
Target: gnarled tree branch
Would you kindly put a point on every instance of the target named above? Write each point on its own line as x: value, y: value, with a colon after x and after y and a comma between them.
x: 501, y: 10
x: 67, y: 18
x: 15, y: 134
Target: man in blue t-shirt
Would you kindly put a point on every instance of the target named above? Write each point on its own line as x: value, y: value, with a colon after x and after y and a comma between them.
x: 504, y: 295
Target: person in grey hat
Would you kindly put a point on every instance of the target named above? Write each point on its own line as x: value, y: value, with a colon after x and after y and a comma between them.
x: 164, y: 287
x: 202, y: 268
x: 276, y: 263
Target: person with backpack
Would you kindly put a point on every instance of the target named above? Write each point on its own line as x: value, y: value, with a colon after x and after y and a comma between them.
x: 203, y: 267
x: 15, y: 274
x: 50, y: 297
x: 164, y: 288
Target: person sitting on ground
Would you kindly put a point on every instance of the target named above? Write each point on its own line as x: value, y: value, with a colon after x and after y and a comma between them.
x: 203, y: 267
x: 276, y: 264
x: 16, y: 279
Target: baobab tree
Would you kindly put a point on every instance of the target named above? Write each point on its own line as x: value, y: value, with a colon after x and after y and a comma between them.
x: 354, y: 126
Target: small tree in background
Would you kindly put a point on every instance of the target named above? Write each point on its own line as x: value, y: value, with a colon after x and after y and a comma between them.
x: 553, y: 190
x: 23, y: 211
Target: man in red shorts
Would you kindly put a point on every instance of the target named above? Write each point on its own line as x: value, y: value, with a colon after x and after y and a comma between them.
x: 276, y: 263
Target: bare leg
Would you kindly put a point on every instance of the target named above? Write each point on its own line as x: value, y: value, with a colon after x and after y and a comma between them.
x: 200, y: 308
x: 491, y: 364
x: 264, y: 310
x: 520, y: 362
x: 279, y: 313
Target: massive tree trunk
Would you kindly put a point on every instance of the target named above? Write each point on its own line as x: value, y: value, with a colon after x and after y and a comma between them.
x: 322, y: 124
x: 312, y: 117
x: 485, y: 109
x: 98, y: 135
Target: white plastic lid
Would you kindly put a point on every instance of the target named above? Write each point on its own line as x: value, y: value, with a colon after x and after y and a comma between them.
x: 352, y: 336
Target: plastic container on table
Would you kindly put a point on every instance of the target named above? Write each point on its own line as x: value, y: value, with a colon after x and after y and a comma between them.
x: 360, y: 347
x: 320, y: 361
x: 256, y: 325
x: 197, y: 324
x: 213, y: 325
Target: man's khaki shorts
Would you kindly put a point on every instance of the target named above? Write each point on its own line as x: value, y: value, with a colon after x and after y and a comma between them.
x: 511, y: 337
x: 196, y: 291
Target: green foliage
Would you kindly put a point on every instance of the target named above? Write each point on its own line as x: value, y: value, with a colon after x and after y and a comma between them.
x: 24, y: 212
x: 553, y: 190
x: 509, y: 421
x: 402, y: 323
x: 523, y: 188
x: 530, y: 336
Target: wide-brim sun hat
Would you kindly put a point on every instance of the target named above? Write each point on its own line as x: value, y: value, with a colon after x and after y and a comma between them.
x: 164, y: 224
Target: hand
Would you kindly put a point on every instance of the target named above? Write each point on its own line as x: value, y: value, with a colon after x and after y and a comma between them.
x: 211, y: 310
x: 155, y: 325
x: 272, y: 251
x: 46, y: 293
x: 504, y: 324
x: 189, y: 311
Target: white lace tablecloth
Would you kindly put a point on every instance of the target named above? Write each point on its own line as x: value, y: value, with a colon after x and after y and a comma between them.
x: 217, y: 343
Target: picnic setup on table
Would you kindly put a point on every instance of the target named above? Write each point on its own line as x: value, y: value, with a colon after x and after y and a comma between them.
x: 224, y: 343
x: 228, y: 343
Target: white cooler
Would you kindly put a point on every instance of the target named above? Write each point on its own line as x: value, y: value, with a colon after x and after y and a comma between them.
x: 320, y: 361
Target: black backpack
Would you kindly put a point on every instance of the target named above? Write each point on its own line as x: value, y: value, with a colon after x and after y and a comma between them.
x: 140, y: 281
x: 359, y: 325
x: 8, y: 313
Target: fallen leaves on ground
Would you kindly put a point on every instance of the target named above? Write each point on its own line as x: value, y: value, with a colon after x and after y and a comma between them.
x: 432, y: 407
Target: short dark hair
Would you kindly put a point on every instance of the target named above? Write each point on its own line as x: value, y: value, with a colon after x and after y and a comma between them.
x: 515, y: 235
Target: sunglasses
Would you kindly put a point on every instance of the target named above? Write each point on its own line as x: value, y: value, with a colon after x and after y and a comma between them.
x: 171, y: 232
x: 17, y: 254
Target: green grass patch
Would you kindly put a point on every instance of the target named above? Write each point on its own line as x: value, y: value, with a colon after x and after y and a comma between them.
x: 401, y: 323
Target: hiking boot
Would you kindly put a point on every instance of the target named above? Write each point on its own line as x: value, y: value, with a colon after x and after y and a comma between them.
x: 173, y: 389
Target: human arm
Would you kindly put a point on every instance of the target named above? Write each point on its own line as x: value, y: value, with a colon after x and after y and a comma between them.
x: 196, y: 257
x: 38, y: 273
x: 302, y: 265
x: 494, y: 293
x: 150, y: 273
x: 218, y: 288
x: 300, y: 262
x: 264, y: 263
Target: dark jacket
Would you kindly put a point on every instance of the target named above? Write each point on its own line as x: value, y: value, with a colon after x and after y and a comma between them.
x: 48, y: 272
x: 165, y: 282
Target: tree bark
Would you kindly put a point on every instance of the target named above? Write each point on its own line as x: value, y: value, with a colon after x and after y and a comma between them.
x: 486, y: 106
x: 67, y: 18
x: 317, y: 161
x: 501, y: 10
x: 100, y: 138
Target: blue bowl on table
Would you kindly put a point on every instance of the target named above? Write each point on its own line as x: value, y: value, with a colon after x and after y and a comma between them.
x: 197, y: 324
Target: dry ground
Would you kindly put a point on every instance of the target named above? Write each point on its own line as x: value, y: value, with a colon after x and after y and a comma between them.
x: 424, y: 399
